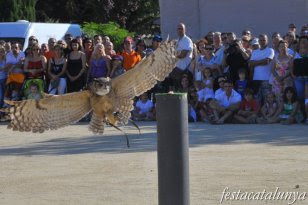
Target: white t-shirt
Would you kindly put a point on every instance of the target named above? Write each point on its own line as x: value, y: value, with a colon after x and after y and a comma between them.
x: 219, y: 55
x: 205, y: 94
x: 218, y: 92
x: 144, y: 107
x: 262, y: 72
x: 224, y: 101
x: 184, y: 43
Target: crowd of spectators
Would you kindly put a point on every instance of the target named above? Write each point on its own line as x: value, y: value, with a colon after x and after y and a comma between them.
x: 228, y: 79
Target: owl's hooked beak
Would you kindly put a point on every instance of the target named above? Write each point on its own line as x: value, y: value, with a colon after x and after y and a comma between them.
x: 101, y: 86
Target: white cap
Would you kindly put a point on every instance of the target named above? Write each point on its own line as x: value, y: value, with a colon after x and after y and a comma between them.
x: 255, y: 41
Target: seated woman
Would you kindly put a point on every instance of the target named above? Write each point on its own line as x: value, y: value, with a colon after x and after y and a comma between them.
x: 35, y: 67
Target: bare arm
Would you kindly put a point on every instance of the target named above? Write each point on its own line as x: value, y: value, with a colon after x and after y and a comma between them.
x: 279, y: 110
x: 294, y: 110
x: 182, y: 54
x: 44, y: 63
x: 108, y: 65
x: 49, y: 70
x: 26, y: 65
x: 255, y: 63
x: 274, y: 68
x: 84, y: 63
x: 63, y: 69
x: 291, y: 64
x: 263, y: 111
x: 245, y: 55
x: 234, y: 106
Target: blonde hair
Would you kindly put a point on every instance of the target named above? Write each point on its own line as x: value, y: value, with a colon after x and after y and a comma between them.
x: 95, y: 52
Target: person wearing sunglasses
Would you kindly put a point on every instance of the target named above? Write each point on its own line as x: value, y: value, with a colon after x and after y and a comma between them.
x: 208, y: 60
x: 35, y: 64
x: 235, y: 57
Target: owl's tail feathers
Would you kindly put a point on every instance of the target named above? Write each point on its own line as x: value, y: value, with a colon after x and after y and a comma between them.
x: 96, y: 124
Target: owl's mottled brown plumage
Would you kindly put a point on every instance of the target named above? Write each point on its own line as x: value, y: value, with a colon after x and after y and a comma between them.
x: 109, y: 104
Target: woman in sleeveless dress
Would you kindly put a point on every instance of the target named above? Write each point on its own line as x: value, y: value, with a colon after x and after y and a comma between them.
x: 281, y: 70
x: 56, y: 71
x: 76, y: 67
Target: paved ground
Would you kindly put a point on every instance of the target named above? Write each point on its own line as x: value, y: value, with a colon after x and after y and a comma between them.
x: 72, y: 166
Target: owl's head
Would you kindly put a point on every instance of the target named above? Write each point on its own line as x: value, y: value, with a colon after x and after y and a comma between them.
x: 101, y: 86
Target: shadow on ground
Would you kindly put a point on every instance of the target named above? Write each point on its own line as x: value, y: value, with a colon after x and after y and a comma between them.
x: 200, y: 135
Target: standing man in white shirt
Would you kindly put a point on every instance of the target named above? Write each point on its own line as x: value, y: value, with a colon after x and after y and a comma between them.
x: 184, y: 50
x: 260, y: 65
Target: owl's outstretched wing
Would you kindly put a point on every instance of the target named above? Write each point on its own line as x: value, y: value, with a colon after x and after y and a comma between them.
x: 51, y: 112
x: 141, y: 78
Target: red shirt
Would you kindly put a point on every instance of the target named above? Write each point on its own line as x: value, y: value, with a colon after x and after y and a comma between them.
x: 35, y: 65
x: 49, y: 55
x: 251, y: 105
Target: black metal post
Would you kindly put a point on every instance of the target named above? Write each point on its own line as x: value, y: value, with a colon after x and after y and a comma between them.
x: 172, y: 149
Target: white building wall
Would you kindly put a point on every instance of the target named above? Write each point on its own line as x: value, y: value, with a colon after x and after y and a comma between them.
x: 260, y: 16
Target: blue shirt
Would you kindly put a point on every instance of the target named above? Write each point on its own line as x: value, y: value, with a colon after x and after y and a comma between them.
x: 3, y: 74
x: 241, y: 86
x: 98, y: 68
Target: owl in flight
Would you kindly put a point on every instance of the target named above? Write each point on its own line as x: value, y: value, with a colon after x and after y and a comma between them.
x: 111, y: 100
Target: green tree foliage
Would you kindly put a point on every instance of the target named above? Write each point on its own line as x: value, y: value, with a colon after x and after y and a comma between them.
x: 14, y: 10
x: 134, y: 15
x: 111, y: 29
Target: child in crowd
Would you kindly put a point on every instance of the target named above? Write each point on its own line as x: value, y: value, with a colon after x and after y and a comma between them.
x: 34, y: 92
x: 249, y: 108
x: 207, y: 114
x: 207, y: 91
x: 144, y: 109
x: 207, y: 81
x: 185, y: 84
x: 288, y: 112
x: 269, y: 109
x: 242, y: 83
x: 193, y: 103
